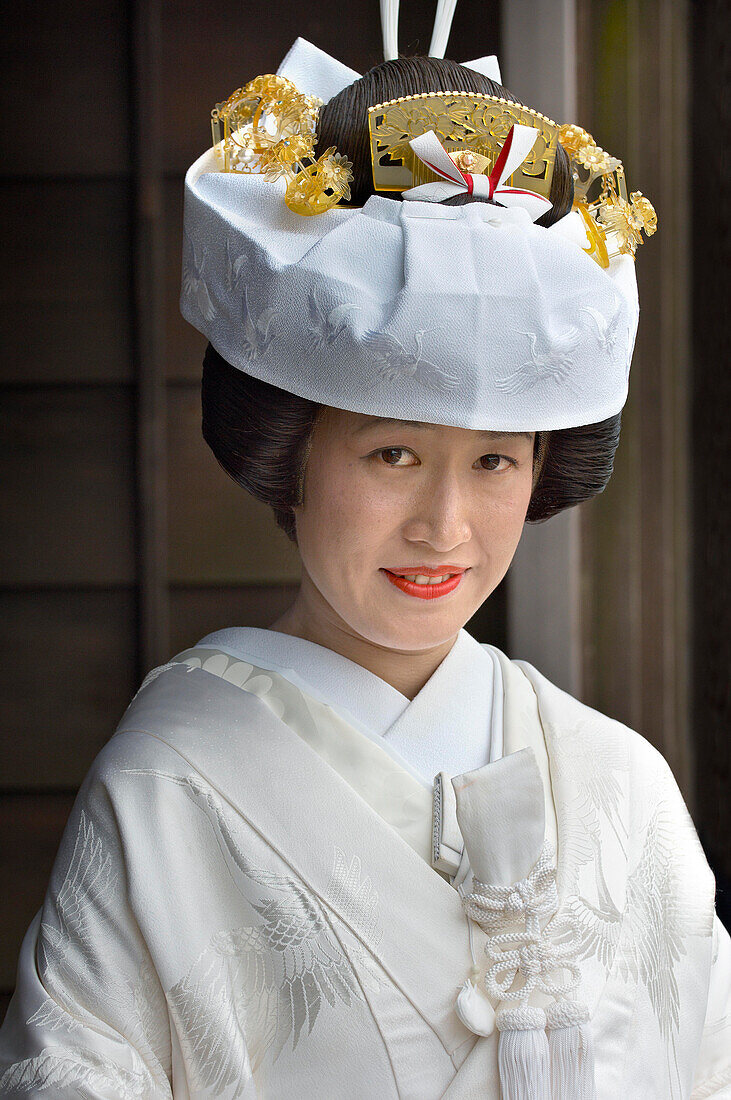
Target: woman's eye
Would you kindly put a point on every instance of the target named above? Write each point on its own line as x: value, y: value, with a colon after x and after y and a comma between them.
x: 492, y: 462
x: 392, y: 456
x: 400, y: 456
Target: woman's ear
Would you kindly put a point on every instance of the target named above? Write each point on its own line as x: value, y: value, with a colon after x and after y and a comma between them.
x: 540, y: 449
x: 304, y: 456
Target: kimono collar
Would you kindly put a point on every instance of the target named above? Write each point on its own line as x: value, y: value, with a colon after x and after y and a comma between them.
x: 454, y: 724
x: 451, y: 725
x: 359, y: 696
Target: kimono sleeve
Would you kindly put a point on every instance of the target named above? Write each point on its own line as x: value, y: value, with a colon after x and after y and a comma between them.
x: 713, y: 1069
x: 88, y: 1017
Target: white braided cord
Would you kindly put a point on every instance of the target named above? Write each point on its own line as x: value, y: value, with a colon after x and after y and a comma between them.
x: 524, y: 948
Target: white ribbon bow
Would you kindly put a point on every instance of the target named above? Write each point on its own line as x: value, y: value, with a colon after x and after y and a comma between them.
x: 518, y: 144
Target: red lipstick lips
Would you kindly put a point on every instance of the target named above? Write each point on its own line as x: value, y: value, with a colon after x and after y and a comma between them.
x: 426, y: 591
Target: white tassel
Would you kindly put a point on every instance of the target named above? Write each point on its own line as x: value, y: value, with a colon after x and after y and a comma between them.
x: 389, y: 26
x: 523, y: 1056
x: 587, y: 1079
x: 571, y: 1051
x: 442, y: 27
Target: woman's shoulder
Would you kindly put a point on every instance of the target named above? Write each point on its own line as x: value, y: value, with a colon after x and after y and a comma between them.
x: 135, y: 750
x: 183, y: 715
x: 143, y: 741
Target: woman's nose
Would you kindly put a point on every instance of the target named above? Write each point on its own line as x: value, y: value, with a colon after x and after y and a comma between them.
x: 440, y: 515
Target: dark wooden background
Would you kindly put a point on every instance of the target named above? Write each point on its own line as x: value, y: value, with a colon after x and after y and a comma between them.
x: 123, y: 541
x: 710, y: 455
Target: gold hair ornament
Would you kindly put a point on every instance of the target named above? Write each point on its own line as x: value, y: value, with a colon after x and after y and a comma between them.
x: 611, y: 216
x: 473, y: 127
x: 468, y: 123
x: 268, y: 127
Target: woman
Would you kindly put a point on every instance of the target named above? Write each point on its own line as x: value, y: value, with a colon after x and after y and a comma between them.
x: 358, y: 854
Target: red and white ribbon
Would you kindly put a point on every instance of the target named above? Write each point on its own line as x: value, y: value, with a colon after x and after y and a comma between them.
x: 518, y: 145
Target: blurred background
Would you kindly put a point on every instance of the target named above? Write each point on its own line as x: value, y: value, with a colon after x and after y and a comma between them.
x: 122, y: 540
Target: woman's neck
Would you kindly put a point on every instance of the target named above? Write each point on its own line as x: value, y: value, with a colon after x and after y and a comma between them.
x: 313, y: 619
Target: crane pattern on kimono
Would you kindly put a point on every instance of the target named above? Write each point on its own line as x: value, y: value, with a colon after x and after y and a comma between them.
x: 263, y: 984
x: 89, y: 878
x: 663, y: 909
x: 713, y: 1086
x: 88, y: 881
x: 649, y: 935
x: 80, y: 1074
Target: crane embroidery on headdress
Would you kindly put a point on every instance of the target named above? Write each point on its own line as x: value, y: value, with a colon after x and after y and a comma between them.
x: 326, y: 324
x: 234, y: 267
x: 606, y: 332
x: 551, y: 361
x: 396, y: 363
x: 258, y: 331
x: 194, y: 285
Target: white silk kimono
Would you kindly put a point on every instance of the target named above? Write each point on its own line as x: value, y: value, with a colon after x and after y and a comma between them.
x: 258, y: 893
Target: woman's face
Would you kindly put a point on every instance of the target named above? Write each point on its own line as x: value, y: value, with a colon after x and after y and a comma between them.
x: 384, y: 499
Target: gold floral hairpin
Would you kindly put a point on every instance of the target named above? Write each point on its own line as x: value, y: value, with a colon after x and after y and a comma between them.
x: 269, y: 127
x: 611, y: 216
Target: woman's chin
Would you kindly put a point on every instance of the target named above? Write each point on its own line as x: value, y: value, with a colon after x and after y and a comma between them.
x: 426, y: 631
x: 386, y: 617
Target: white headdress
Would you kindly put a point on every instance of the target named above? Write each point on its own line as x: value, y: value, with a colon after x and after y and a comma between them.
x: 469, y: 315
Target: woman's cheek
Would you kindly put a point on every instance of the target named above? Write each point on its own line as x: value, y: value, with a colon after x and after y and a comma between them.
x: 366, y: 502
x: 342, y: 525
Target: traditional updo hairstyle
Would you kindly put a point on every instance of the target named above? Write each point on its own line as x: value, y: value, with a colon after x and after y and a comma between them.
x: 261, y: 434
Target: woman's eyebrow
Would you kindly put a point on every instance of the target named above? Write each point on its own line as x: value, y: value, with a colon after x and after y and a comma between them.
x: 383, y: 421
x: 387, y: 421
